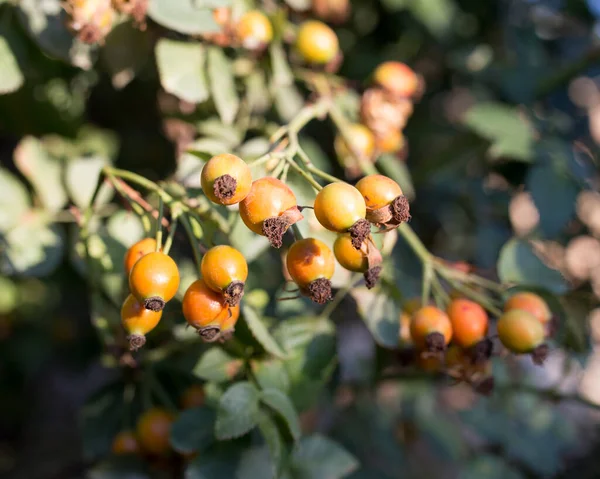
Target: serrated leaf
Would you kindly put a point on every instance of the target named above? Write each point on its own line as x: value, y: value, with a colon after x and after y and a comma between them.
x: 183, y: 16
x: 281, y: 404
x: 193, y: 430
x: 216, y: 365
x: 14, y: 200
x: 270, y: 374
x: 181, y: 69
x: 238, y: 411
x: 270, y: 432
x: 518, y: 264
x: 42, y: 171
x: 261, y: 333
x: 380, y: 313
x: 222, y: 85
x: 81, y: 178
x: 319, y: 457
x: 12, y: 78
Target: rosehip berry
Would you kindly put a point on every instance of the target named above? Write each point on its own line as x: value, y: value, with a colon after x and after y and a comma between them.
x: 341, y: 208
x: 226, y: 179
x: 469, y: 322
x: 205, y: 310
x: 153, y: 429
x: 311, y: 265
x: 365, y: 260
x: 363, y: 144
x: 316, y: 42
x: 228, y: 323
x: 138, y: 321
x: 254, y: 30
x: 193, y: 397
x: 125, y: 443
x: 521, y: 332
x: 224, y: 270
x: 136, y: 251
x: 386, y: 204
x: 397, y: 78
x: 270, y: 209
x: 154, y: 280
x: 390, y: 141
x: 331, y: 11
x: 530, y: 302
x: 431, y: 329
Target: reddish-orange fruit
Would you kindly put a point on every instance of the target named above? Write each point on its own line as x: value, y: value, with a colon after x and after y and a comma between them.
x: 331, y: 11
x: 341, y: 208
x: 469, y: 322
x: 386, y: 204
x: 397, y: 78
x: 389, y: 141
x: 254, y: 30
x: 138, y: 321
x: 521, y: 332
x: 311, y: 264
x: 363, y: 144
x: 431, y: 329
x: 316, y: 42
x: 270, y: 209
x: 224, y: 270
x: 153, y: 429
x: 154, y: 280
x: 365, y: 260
x: 193, y: 397
x: 226, y: 179
x: 221, y: 15
x: 125, y: 443
x: 530, y: 302
x: 135, y: 252
x: 228, y: 323
x: 205, y: 310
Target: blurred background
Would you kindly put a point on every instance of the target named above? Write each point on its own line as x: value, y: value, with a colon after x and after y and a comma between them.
x: 502, y: 148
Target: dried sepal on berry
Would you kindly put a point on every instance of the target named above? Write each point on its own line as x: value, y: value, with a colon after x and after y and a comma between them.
x: 387, y: 207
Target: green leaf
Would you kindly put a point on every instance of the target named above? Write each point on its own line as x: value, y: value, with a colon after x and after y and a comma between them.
x: 390, y: 165
x: 519, y: 264
x: 249, y: 244
x: 181, y: 69
x: 489, y: 467
x: 437, y: 15
x: 216, y: 365
x: 271, y: 373
x: 14, y: 200
x: 238, y: 411
x: 12, y: 78
x: 219, y: 464
x: 126, y: 227
x: 215, y: 129
x: 193, y: 430
x: 222, y: 85
x: 270, y: 432
x: 380, y: 313
x: 42, y: 171
x: 81, y: 178
x: 261, y: 333
x: 319, y: 457
x: 183, y: 16
x: 281, y: 404
x: 504, y: 126
x: 288, y: 101
x: 282, y: 73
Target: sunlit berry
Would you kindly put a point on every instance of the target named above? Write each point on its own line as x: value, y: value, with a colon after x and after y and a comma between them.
x: 316, y: 42
x: 385, y: 201
x: 154, y: 280
x: 530, y: 302
x: 362, y: 144
x: 396, y: 78
x: 365, y: 260
x: 311, y: 264
x: 125, y: 443
x: 254, y: 30
x: 153, y: 430
x: 204, y: 309
x: 431, y: 329
x: 136, y: 251
x: 469, y: 322
x: 226, y: 179
x: 224, y: 270
x: 138, y: 321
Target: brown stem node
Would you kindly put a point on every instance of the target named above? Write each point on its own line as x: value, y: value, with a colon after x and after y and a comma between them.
x: 372, y: 276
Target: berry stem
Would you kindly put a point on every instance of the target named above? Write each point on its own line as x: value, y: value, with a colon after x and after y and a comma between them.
x: 326, y: 176
x: 284, y: 172
x: 474, y: 295
x: 304, y: 174
x: 159, y: 230
x: 169, y: 241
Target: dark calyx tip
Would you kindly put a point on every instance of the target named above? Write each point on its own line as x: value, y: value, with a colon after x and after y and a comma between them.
x: 359, y: 232
x: 136, y: 341
x: 234, y: 292
x: 224, y: 187
x: 435, y: 343
x: 482, y: 351
x: 400, y: 209
x: 274, y: 229
x: 540, y: 354
x: 320, y: 290
x: 485, y: 387
x: 372, y: 276
x: 154, y: 304
x: 210, y: 334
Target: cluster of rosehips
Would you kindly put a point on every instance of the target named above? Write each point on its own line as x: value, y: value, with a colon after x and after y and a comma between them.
x: 456, y: 340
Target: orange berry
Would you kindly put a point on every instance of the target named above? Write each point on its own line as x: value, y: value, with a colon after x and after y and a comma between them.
x: 530, y: 302
x: 221, y: 15
x: 341, y: 208
x: 228, y: 323
x: 135, y: 252
x: 520, y: 331
x: 316, y: 42
x: 193, y: 397
x: 363, y: 143
x: 310, y: 263
x: 397, y: 78
x: 405, y: 338
x: 254, y: 30
x: 469, y: 322
x: 224, y: 270
x: 125, y: 443
x: 154, y: 280
x: 431, y: 329
x: 204, y: 309
x: 153, y: 429
x: 270, y: 209
x: 138, y: 321
x: 386, y: 204
x: 348, y: 256
x: 226, y: 179
x: 390, y: 142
